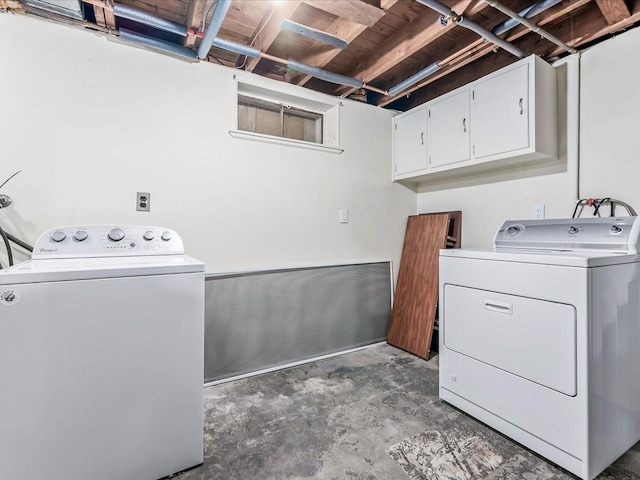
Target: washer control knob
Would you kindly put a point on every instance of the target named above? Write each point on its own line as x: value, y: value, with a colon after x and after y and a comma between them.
x: 615, y: 229
x: 80, y: 236
x: 115, y: 234
x: 573, y: 230
x: 148, y: 235
x: 166, y: 236
x: 58, y: 236
x: 513, y: 230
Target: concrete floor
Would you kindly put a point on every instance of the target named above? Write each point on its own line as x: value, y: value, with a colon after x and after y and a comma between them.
x: 364, y: 415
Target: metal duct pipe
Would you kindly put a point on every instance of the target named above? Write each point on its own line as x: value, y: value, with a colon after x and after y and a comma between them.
x: 236, y: 47
x: 136, y: 15
x: 434, y: 67
x: 531, y: 26
x: 324, y: 75
x: 474, y: 27
x: 168, y: 47
x: 213, y: 28
x: 528, y: 12
x: 314, y: 34
x: 490, y: 37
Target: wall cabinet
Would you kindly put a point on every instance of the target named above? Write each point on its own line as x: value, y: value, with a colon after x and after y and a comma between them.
x: 410, y: 141
x: 501, y: 113
x: 449, y: 129
x: 506, y: 118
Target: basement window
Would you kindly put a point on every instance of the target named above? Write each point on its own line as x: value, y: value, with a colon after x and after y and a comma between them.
x: 279, y: 117
x: 279, y: 120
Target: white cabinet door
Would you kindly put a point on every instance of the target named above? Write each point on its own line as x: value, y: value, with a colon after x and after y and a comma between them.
x: 449, y: 130
x: 410, y: 141
x: 500, y: 113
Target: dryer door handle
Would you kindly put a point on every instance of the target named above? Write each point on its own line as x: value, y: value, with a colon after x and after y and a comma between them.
x: 498, y: 306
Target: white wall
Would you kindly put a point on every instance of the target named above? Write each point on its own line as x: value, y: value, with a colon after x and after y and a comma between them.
x: 91, y: 121
x: 609, y: 151
x: 610, y: 120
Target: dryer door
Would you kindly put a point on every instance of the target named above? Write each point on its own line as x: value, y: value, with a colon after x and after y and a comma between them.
x: 534, y: 339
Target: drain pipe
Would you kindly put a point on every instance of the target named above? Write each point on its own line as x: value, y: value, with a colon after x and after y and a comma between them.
x: 474, y: 27
x: 222, y: 7
x: 527, y: 13
x: 531, y: 26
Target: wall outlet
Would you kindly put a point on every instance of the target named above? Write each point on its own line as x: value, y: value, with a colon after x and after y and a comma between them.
x: 143, y: 202
x: 344, y: 215
x: 538, y: 211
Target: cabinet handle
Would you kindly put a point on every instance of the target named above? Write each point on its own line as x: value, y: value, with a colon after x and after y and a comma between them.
x: 422, y: 138
x: 464, y: 124
x: 520, y: 103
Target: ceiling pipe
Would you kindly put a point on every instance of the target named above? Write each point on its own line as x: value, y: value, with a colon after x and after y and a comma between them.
x: 531, y: 26
x: 412, y: 80
x: 466, y: 23
x: 139, y: 16
x: 157, y: 44
x: 314, y: 34
x: 222, y: 7
x: 324, y: 75
x: 529, y: 12
x: 236, y: 47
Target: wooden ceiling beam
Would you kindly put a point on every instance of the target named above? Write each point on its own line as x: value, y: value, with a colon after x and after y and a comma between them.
x: 195, y: 16
x: 356, y: 11
x: 418, y: 34
x: 98, y: 12
x: 479, y: 48
x: 614, y: 11
x: 387, y: 4
x: 270, y: 28
x: 589, y: 35
x: 103, y: 13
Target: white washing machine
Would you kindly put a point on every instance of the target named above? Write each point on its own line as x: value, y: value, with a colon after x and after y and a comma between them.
x: 540, y: 337
x: 101, y: 357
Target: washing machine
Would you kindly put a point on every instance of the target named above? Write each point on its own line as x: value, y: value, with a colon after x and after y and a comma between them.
x: 101, y: 356
x: 540, y: 337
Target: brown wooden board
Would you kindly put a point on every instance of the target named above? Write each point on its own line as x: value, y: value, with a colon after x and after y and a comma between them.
x: 416, y: 298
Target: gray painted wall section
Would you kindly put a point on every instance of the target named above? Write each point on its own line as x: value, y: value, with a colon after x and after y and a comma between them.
x: 260, y: 320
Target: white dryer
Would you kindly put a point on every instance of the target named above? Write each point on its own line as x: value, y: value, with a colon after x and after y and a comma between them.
x: 101, y: 357
x: 540, y: 337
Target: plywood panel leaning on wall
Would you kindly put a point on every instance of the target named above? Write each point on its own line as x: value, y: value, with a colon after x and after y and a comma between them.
x: 416, y: 298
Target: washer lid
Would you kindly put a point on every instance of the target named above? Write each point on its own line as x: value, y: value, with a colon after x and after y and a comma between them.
x: 56, y: 270
x: 605, y: 235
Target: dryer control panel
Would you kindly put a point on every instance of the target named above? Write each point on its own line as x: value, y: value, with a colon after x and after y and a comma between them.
x: 607, y: 234
x: 83, y: 241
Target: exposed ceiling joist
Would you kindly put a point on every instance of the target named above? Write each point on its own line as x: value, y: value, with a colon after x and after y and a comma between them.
x: 356, y: 11
x: 585, y: 35
x: 387, y: 40
x: 348, y: 31
x: 195, y: 16
x: 614, y: 11
x: 419, y: 33
x: 479, y: 48
x: 269, y: 30
x: 98, y: 12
